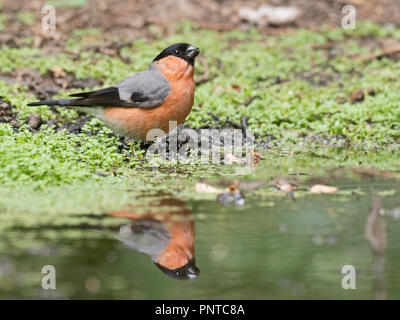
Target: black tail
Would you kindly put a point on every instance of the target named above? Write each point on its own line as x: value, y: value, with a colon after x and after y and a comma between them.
x: 62, y: 102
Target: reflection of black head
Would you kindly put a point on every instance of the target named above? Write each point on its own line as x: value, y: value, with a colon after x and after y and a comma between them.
x: 187, y: 272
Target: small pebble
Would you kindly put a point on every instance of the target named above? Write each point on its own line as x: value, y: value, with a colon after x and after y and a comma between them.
x: 35, y: 121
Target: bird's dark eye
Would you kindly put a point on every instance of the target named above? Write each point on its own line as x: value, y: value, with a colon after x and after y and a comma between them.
x: 177, y: 52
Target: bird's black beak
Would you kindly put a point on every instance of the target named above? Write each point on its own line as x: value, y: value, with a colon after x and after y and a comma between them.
x: 192, y: 271
x: 192, y: 52
x: 187, y: 272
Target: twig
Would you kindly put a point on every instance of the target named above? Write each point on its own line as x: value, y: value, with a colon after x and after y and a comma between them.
x: 243, y: 122
x: 232, y: 123
x: 250, y: 100
x: 377, y: 55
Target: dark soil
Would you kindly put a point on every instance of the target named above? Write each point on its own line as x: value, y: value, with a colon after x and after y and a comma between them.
x: 8, y: 113
x: 130, y: 18
x: 45, y: 86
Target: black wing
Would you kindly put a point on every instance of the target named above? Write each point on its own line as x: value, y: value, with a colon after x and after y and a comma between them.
x: 146, y: 89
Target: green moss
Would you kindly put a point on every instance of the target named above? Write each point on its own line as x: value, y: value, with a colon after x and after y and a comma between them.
x: 50, y: 157
x: 301, y: 101
x: 67, y: 3
x: 3, y: 20
x: 26, y: 17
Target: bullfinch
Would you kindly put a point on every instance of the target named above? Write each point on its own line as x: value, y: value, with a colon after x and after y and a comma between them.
x: 146, y: 100
x: 167, y: 237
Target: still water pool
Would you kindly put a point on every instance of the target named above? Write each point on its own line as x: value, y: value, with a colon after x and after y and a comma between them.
x: 269, y: 248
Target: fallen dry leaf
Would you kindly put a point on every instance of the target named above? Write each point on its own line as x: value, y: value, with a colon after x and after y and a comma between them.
x: 58, y: 72
x: 255, y: 157
x: 357, y: 96
x: 320, y: 188
x: 236, y: 87
x: 231, y: 159
x: 287, y: 187
x: 202, y: 187
x: 284, y: 185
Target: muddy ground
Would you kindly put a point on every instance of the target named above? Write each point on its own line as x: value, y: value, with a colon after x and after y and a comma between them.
x: 130, y: 18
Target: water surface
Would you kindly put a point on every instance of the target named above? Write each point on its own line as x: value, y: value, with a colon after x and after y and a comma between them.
x: 270, y: 248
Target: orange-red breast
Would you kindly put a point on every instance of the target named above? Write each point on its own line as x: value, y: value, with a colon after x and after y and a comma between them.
x: 146, y: 100
x: 167, y: 237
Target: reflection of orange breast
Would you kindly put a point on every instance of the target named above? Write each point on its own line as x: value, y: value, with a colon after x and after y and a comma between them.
x: 136, y: 122
x: 180, y: 226
x: 181, y: 247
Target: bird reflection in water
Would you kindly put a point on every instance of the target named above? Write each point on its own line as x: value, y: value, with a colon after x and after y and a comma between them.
x: 165, y: 235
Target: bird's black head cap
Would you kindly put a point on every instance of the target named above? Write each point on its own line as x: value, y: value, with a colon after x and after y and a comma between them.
x: 182, y: 50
